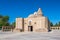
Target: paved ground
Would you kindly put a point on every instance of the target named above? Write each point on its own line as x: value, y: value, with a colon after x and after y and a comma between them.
x: 54, y: 35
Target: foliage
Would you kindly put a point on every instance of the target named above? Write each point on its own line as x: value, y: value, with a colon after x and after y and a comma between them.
x: 13, y: 24
x: 51, y: 24
x: 4, y: 20
x: 1, y: 16
x: 56, y: 24
x: 59, y: 23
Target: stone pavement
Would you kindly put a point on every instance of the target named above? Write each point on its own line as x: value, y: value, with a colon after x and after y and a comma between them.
x: 54, y: 35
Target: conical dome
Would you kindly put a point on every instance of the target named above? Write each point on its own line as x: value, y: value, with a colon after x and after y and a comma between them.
x: 39, y: 12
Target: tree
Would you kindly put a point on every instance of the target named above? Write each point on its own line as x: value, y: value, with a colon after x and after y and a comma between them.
x: 1, y: 16
x: 56, y: 24
x: 59, y: 23
x: 13, y: 24
x: 1, y: 21
x: 51, y: 24
x: 5, y: 18
x: 4, y: 21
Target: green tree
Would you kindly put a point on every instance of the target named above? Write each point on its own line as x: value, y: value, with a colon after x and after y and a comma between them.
x: 51, y: 24
x: 6, y: 18
x: 1, y: 16
x: 56, y: 24
x: 13, y: 24
x: 1, y: 21
x: 59, y: 23
x: 4, y: 21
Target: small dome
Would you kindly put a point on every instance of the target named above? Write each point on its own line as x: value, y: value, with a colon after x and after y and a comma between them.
x: 35, y: 13
x: 30, y: 15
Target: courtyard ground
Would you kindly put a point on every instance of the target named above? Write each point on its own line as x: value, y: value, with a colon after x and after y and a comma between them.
x: 53, y: 35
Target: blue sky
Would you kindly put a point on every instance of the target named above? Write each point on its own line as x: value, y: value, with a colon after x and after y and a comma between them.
x: 22, y: 8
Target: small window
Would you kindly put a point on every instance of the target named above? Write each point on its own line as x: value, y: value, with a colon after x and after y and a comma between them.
x: 35, y: 23
x: 29, y: 22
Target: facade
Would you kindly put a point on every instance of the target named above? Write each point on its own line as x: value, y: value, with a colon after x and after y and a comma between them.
x: 35, y: 22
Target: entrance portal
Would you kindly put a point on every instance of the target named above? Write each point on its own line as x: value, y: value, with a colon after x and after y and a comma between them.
x: 30, y: 28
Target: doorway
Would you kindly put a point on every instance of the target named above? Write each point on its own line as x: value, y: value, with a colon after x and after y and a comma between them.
x: 30, y: 28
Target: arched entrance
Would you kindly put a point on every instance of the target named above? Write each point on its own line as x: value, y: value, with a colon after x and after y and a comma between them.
x: 30, y: 28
